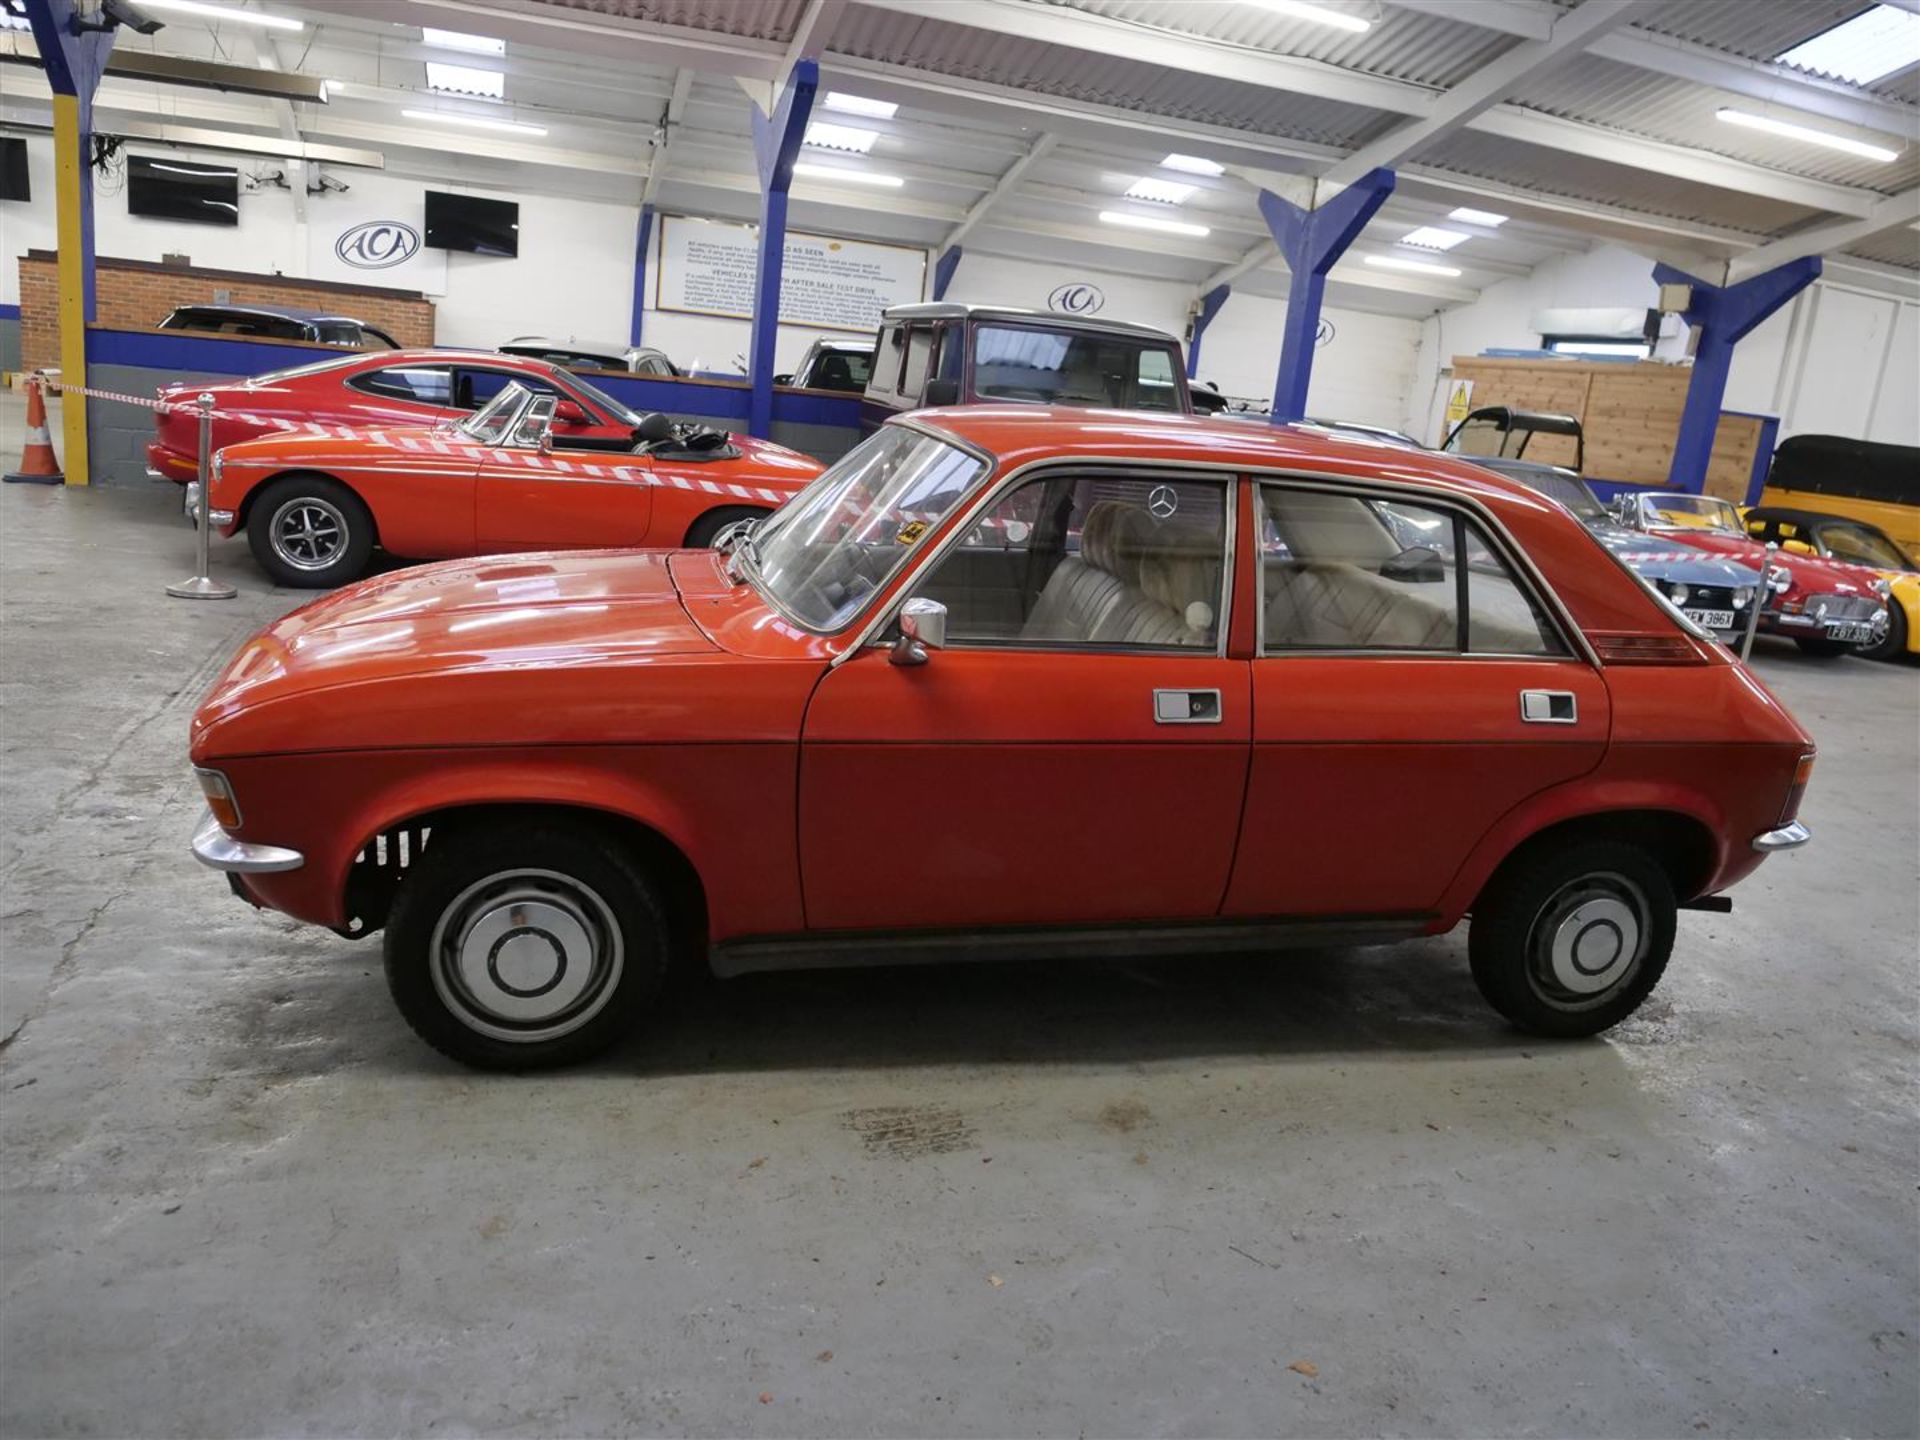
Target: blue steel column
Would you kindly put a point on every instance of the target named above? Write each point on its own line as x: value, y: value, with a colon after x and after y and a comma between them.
x: 776, y: 144
x: 1210, y: 304
x: 74, y: 62
x: 643, y: 237
x: 943, y: 269
x: 1311, y: 242
x: 1724, y: 317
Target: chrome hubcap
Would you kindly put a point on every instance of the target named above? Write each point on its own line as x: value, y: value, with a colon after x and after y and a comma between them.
x: 1590, y: 938
x: 526, y: 955
x: 308, y: 533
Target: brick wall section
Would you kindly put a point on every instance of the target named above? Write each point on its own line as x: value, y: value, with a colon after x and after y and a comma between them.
x: 134, y: 295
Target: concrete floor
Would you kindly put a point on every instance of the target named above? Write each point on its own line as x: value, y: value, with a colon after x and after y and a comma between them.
x: 1328, y: 1196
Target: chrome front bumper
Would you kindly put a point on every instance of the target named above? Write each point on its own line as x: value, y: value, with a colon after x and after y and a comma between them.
x: 218, y: 850
x: 1788, y: 837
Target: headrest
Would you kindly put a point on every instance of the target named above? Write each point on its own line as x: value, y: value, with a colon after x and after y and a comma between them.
x: 1180, y: 569
x: 1114, y: 537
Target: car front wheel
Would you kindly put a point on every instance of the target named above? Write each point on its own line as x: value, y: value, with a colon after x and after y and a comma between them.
x: 1568, y: 941
x: 524, y: 947
x: 310, y: 532
x: 701, y: 533
x: 1893, y: 644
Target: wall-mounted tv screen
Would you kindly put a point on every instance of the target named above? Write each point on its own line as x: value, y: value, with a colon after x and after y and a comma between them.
x: 165, y: 188
x: 466, y: 222
x: 13, y: 170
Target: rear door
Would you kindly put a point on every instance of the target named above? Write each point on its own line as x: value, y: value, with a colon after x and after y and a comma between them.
x: 1402, y: 703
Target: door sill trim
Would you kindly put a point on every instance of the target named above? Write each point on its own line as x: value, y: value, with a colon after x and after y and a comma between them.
x: 848, y: 949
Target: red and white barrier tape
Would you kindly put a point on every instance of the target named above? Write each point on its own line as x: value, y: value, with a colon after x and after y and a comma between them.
x: 165, y: 407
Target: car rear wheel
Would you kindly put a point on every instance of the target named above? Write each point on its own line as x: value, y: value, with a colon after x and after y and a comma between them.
x: 1825, y: 649
x: 1893, y: 644
x: 310, y: 532
x: 1568, y: 941
x: 523, y: 948
x: 700, y: 534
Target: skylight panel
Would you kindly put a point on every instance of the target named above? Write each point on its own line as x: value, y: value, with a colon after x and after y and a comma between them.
x: 859, y: 105
x: 1487, y: 219
x: 1862, y: 50
x: 1167, y: 192
x: 466, y: 80
x: 461, y: 40
x: 1432, y: 237
x: 1193, y: 165
x: 851, y: 138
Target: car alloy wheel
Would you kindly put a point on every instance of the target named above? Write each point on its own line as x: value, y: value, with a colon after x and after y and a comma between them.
x: 308, y: 533
x: 1588, y: 941
x: 526, y: 955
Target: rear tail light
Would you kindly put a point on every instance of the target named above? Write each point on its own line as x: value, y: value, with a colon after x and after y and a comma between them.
x: 1802, y: 773
x: 1633, y: 649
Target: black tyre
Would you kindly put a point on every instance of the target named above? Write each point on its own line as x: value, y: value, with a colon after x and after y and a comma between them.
x: 1893, y: 645
x: 1568, y: 941
x: 310, y: 532
x: 700, y: 534
x: 1825, y: 649
x: 523, y: 947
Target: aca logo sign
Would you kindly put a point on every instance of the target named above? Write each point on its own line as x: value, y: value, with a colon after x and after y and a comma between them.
x: 1077, y: 297
x: 378, y: 245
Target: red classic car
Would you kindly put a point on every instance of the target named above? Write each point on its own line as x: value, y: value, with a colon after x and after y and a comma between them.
x: 364, y: 391
x: 506, y: 478
x: 1012, y: 682
x: 1827, y: 609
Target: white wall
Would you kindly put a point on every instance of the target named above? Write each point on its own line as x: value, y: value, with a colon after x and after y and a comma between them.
x: 1840, y: 360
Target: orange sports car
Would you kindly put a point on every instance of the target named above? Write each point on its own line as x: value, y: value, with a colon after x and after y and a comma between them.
x: 503, y: 479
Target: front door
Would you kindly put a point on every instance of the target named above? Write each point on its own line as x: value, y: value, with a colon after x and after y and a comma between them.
x: 1077, y: 754
x: 1402, y: 704
x: 529, y: 498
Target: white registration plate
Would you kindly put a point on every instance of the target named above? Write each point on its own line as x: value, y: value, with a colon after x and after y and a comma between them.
x: 1711, y: 619
x: 1854, y: 632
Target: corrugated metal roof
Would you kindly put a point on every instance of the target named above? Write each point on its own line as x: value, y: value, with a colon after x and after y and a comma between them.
x: 1747, y: 28
x: 1402, y: 45
x: 753, y: 19
x: 925, y: 42
x: 1897, y: 247
x: 1578, y: 177
x: 1622, y: 97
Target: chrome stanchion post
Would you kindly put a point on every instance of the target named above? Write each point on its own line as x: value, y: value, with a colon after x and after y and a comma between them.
x: 203, y: 586
x: 1760, y: 594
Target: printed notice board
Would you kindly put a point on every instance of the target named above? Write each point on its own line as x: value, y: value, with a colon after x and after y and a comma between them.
x: 705, y: 267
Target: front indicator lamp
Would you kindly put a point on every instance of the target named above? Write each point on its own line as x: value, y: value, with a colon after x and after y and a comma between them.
x: 1678, y: 593
x: 1779, y: 579
x: 1741, y: 597
x: 220, y: 799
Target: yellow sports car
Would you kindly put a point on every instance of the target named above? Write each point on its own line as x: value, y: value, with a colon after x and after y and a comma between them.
x: 1851, y: 542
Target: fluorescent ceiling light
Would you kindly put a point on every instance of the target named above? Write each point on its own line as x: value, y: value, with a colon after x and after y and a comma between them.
x: 224, y: 12
x: 466, y: 80
x: 11, y: 21
x: 1467, y: 215
x: 1151, y: 222
x: 461, y: 40
x: 1432, y: 237
x: 852, y: 177
x: 1871, y: 45
x: 1167, y: 192
x: 850, y: 138
x: 1750, y: 121
x: 859, y: 105
x: 1319, y: 14
x: 450, y: 117
x: 1395, y: 262
x: 1193, y: 165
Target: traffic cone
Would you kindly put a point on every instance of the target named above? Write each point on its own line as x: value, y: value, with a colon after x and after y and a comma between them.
x: 38, y: 464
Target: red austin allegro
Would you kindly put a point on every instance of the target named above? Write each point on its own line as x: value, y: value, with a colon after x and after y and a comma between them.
x: 1007, y: 682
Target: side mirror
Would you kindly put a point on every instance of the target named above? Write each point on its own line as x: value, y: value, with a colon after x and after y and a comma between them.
x: 566, y: 412
x: 943, y: 392
x: 923, y: 627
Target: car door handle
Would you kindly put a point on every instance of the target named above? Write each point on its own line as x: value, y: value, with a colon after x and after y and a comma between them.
x: 1549, y: 707
x: 1186, y: 707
